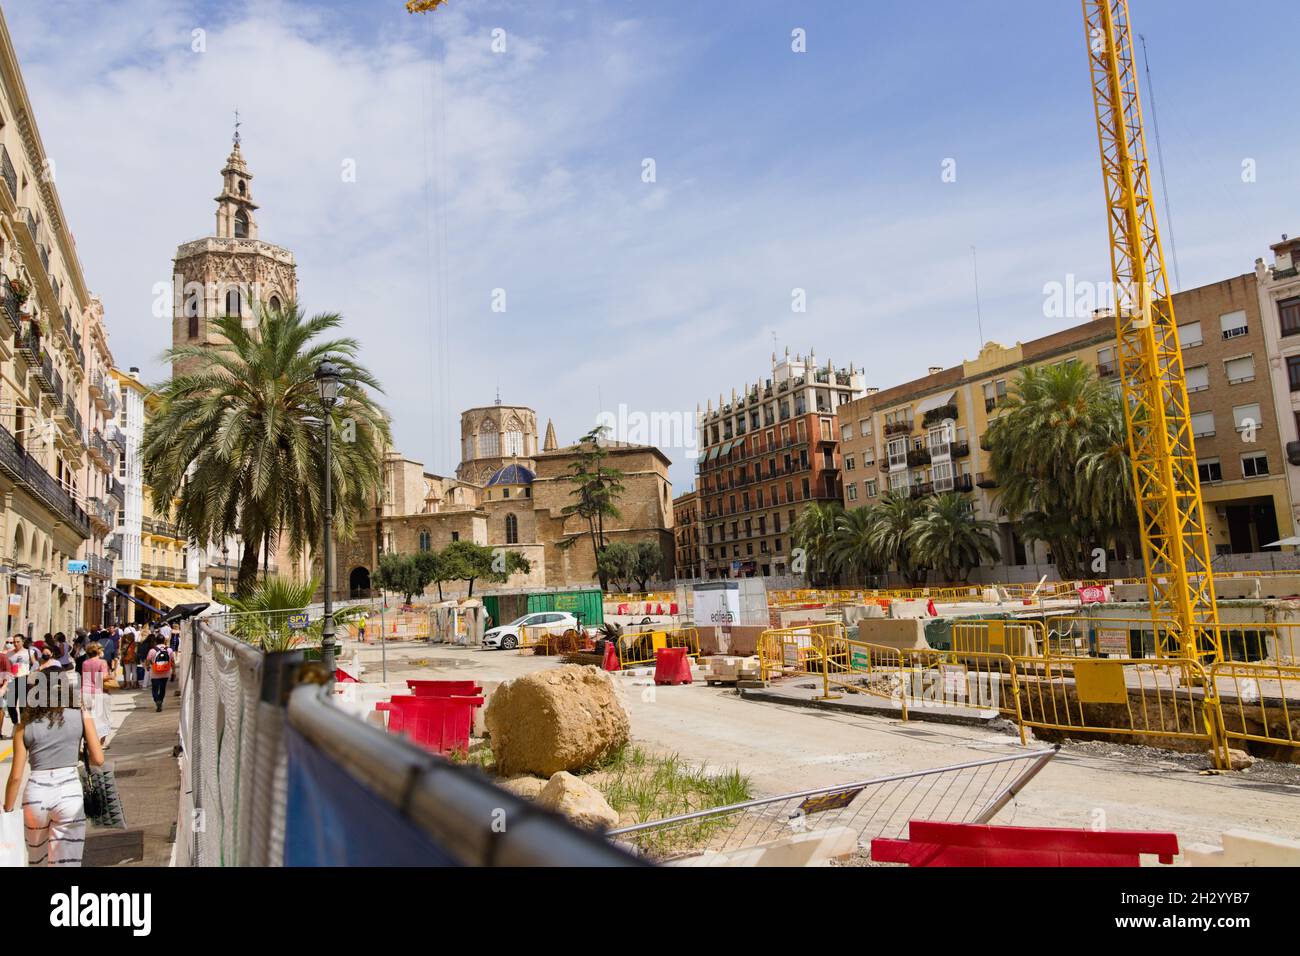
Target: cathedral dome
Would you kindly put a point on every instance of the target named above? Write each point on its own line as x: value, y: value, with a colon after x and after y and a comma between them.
x: 512, y: 475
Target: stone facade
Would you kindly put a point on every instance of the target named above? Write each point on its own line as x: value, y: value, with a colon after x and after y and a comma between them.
x: 492, y: 437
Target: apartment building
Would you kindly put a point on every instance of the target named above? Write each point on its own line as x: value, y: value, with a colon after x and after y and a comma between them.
x: 1278, y: 288
x: 105, y: 448
x: 44, y: 306
x: 686, y: 535
x: 926, y: 436
x: 764, y: 456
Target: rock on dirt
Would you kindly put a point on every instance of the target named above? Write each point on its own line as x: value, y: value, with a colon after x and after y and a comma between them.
x: 564, y: 718
x: 578, y: 800
x: 524, y: 786
x: 1239, y: 759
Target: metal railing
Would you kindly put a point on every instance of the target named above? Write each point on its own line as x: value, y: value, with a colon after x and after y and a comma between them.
x: 15, y: 462
x: 8, y: 172
x: 972, y: 792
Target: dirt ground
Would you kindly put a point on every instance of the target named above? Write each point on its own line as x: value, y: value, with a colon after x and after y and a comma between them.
x: 786, y: 748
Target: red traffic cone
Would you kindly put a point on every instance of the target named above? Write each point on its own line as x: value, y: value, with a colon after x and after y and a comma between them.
x: 611, y: 657
x: 929, y: 608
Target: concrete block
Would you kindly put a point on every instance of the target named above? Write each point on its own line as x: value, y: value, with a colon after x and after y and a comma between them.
x: 1128, y: 593
x: 904, y: 609
x: 1274, y: 585
x: 1241, y: 589
x: 1244, y: 848
x: 904, y: 633
x: 815, y: 848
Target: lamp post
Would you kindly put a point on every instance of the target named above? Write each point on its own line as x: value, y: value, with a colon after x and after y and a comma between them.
x: 327, y: 381
x: 225, y: 563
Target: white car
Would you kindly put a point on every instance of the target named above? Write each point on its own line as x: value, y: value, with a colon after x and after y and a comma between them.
x: 507, y: 636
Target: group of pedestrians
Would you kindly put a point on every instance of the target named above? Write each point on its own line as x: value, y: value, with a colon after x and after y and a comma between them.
x: 45, y: 683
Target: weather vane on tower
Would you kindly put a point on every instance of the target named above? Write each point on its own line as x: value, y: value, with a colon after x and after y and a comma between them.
x: 237, y: 125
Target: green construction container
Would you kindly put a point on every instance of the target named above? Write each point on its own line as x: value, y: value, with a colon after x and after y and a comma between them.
x: 587, y: 604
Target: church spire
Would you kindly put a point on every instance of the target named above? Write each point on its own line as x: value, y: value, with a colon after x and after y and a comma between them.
x: 550, y: 444
x: 235, y: 206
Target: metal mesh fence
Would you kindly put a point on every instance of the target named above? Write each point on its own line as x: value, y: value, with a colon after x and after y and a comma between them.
x: 881, y: 807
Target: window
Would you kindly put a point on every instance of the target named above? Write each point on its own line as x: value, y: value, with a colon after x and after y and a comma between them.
x: 1209, y: 470
x: 846, y: 432
x: 942, y: 476
x: 1198, y: 378
x: 849, y: 464
x: 233, y: 303
x: 515, y: 444
x: 1254, y: 465
x: 871, y: 487
x: 455, y: 536
x: 512, y: 529
x: 489, y: 444
x: 1203, y: 424
x: 274, y: 304
x: 241, y: 225
x: 1240, y: 370
x: 1293, y: 371
x: 192, y: 314
x: 425, y: 542
x: 864, y: 427
x: 1189, y: 335
x: 1288, y: 314
x: 852, y: 488
x: 1246, y: 416
x: 1106, y: 362
x: 1233, y: 324
x: 898, y: 453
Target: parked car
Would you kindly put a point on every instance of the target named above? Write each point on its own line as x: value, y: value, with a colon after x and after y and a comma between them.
x: 507, y: 636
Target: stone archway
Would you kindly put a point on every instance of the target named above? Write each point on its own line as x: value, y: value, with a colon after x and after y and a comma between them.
x: 359, y: 583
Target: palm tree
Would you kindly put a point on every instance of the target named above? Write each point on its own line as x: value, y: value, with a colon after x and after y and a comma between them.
x: 1061, y: 457
x: 949, y: 538
x: 237, y: 444
x: 892, y: 534
x: 814, y: 531
x: 853, y: 551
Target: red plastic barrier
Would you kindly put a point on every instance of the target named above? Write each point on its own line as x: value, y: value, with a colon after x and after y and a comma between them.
x: 622, y: 610
x: 969, y: 844
x: 343, y: 677
x: 672, y: 608
x: 672, y: 666
x: 610, y: 663
x: 444, y: 688
x: 440, y: 724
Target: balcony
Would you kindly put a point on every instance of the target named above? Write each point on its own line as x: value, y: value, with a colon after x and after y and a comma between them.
x: 160, y: 572
x: 941, y: 414
x: 116, y: 490
x: 117, y: 437
x: 113, y: 544
x: 29, y: 219
x: 963, y: 483
x: 898, y: 428
x: 9, y: 174
x: 15, y: 462
x: 1107, y: 369
x: 959, y: 449
x: 922, y: 489
x: 99, y: 449
x: 992, y: 403
x: 12, y: 310
x: 1293, y: 452
x: 100, y: 567
x: 101, y: 511
x: 917, y: 457
x: 160, y: 529
x: 985, y: 479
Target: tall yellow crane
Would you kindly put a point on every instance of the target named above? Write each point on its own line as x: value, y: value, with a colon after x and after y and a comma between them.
x: 1175, y: 547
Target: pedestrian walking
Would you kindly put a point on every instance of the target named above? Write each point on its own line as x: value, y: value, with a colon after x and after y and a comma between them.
x: 48, y: 746
x: 159, y: 663
x: 128, y: 659
x: 21, y: 663
x: 94, y: 697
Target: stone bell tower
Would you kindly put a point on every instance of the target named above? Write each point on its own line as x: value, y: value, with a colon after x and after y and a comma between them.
x: 231, y: 273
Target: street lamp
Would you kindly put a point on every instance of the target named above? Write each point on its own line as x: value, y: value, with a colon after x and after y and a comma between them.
x: 225, y: 563
x: 327, y: 381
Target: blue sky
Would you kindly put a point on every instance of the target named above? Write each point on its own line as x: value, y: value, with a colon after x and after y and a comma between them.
x: 522, y: 170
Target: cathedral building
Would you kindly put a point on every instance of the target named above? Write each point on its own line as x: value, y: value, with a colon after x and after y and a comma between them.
x: 506, y: 493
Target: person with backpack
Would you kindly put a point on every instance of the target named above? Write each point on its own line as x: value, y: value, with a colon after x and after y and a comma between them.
x: 158, y: 664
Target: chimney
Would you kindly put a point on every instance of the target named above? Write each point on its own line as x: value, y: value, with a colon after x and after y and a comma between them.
x: 935, y: 369
x: 872, y: 390
x: 135, y: 372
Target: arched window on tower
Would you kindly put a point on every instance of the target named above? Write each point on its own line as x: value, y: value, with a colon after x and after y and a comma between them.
x: 192, y: 314
x: 233, y: 303
x: 515, y: 444
x: 241, y: 224
x: 275, y: 303
x: 242, y: 190
x: 425, y: 541
x: 512, y: 529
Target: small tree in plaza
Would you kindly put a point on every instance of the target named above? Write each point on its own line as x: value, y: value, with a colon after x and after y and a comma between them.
x: 405, y: 574
x: 470, y: 562
x: 648, y: 563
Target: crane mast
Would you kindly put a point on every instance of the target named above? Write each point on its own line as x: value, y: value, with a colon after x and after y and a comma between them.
x: 1171, y: 515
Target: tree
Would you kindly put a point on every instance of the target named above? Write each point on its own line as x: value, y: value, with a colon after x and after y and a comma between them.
x: 814, y: 531
x: 406, y: 574
x: 237, y: 441
x: 597, y: 488
x: 466, y: 561
x: 1061, y: 458
x: 262, y: 616
x: 891, y: 534
x: 949, y: 538
x: 434, y: 566
x: 853, y: 551
x: 647, y: 564
x: 617, y: 565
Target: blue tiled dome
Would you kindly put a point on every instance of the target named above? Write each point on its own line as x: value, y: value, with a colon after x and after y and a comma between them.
x: 512, y: 475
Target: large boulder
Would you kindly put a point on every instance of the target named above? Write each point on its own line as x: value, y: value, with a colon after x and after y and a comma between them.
x: 565, y: 718
x: 578, y: 800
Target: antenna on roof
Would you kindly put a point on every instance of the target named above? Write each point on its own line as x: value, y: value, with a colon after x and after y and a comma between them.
x: 979, y: 316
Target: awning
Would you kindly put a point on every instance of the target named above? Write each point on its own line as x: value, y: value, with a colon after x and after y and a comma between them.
x: 936, y: 401
x: 713, y: 453
x: 726, y: 447
x: 173, y: 597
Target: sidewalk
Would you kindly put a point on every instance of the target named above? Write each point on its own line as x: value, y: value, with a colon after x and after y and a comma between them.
x: 141, y: 751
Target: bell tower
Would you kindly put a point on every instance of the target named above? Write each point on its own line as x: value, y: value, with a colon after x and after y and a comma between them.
x: 233, y: 272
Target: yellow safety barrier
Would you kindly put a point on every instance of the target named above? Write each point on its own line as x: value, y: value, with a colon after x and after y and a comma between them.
x: 1258, y: 701
x: 637, y: 649
x: 1013, y: 637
